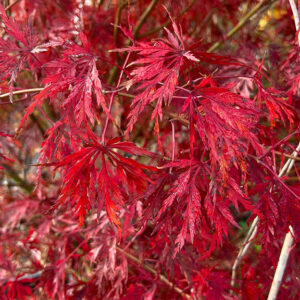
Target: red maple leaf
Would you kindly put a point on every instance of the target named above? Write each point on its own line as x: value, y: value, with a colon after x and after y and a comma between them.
x: 157, y: 78
x: 75, y: 76
x: 117, y: 176
x: 225, y: 123
x: 20, y: 49
x: 273, y: 100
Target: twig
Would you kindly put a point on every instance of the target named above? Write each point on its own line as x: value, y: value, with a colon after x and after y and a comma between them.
x: 154, y: 272
x: 126, y: 95
x: 173, y: 144
x: 167, y: 23
x: 22, y: 92
x: 243, y: 250
x: 212, y: 48
x: 143, y: 18
x: 240, y: 24
x: 280, y: 142
x: 42, y: 126
x: 293, y: 178
x: 287, y: 155
x: 31, y: 276
x: 117, y: 20
x: 133, y: 258
x: 11, y: 5
x: 25, y: 98
x: 26, y: 186
x: 115, y: 35
x: 112, y: 98
x: 290, y: 163
x: 136, y: 30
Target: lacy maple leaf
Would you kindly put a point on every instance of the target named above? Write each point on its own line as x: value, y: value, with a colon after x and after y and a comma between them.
x: 86, y: 186
x: 75, y: 76
x: 20, y: 50
x: 158, y: 77
x: 225, y: 123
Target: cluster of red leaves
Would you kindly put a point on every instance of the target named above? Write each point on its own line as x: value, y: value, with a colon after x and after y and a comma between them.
x: 116, y: 177
x: 86, y: 211
x: 158, y: 77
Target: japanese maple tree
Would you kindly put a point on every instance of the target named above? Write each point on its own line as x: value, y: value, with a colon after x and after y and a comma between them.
x: 149, y: 149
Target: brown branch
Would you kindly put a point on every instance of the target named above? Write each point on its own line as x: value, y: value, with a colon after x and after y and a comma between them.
x: 126, y: 95
x: 240, y: 24
x: 136, y: 30
x: 143, y: 18
x: 22, y: 92
x: 41, y: 124
x: 287, y: 155
x: 167, y: 23
x: 154, y: 272
x: 117, y: 20
x: 292, y: 179
x: 26, y: 186
x: 11, y: 5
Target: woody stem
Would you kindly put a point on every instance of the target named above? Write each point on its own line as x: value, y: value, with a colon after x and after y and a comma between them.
x: 112, y: 98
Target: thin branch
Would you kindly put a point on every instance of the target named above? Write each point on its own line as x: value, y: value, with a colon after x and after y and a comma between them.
x: 290, y: 163
x: 117, y: 20
x: 288, y: 155
x: 139, y: 262
x: 136, y: 30
x: 213, y: 47
x: 292, y: 179
x: 278, y: 143
x: 112, y: 98
x: 11, y: 5
x: 42, y: 126
x: 167, y: 23
x: 22, y: 92
x: 31, y: 276
x: 173, y: 141
x: 155, y: 273
x: 173, y: 144
x: 26, y: 186
x: 251, y: 234
x: 143, y: 18
x: 126, y: 95
x: 240, y: 24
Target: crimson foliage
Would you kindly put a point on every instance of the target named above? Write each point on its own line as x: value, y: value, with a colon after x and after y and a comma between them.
x: 133, y: 159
